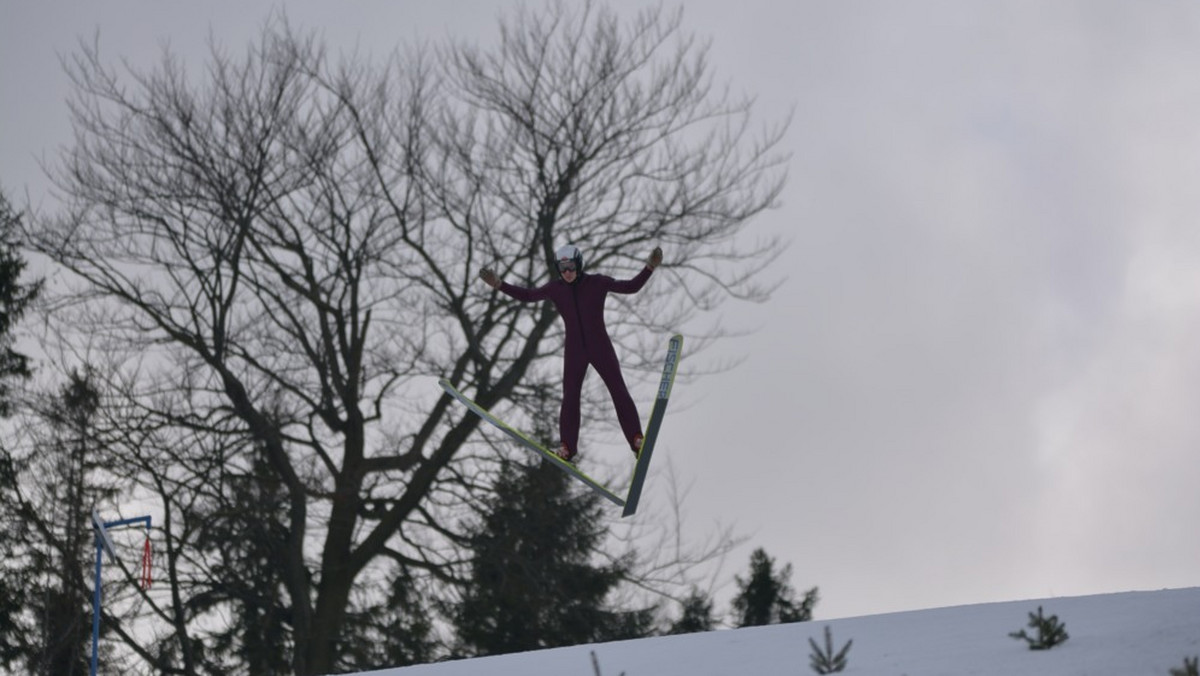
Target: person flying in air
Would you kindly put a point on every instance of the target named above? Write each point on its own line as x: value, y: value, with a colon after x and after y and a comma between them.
x: 579, y: 299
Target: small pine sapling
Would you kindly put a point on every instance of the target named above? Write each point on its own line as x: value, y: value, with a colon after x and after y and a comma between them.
x: 596, y: 665
x: 1190, y: 668
x: 1050, y: 632
x: 825, y: 660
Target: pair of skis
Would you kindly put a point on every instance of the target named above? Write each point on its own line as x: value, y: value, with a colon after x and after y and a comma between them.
x: 630, y: 501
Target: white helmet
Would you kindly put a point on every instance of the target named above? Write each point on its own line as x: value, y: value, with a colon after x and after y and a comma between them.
x: 569, y: 253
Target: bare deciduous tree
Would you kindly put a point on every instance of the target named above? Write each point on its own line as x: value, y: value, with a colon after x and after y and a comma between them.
x: 280, y: 254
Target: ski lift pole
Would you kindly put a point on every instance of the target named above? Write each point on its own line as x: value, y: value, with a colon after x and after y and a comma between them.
x: 104, y: 544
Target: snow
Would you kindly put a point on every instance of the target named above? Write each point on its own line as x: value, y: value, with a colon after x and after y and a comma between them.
x: 1129, y: 633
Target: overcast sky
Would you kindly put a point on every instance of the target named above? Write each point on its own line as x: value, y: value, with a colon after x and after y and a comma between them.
x: 981, y: 378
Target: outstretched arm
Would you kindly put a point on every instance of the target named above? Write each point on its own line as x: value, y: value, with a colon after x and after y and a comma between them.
x: 634, y: 285
x: 520, y: 293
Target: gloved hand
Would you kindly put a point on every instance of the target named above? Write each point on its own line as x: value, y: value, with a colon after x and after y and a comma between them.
x: 489, y: 277
x: 655, y: 258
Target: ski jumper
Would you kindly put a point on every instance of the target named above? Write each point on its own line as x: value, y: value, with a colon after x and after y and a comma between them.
x: 581, y: 306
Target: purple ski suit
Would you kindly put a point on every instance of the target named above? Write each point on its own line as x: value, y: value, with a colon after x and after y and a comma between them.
x: 581, y: 306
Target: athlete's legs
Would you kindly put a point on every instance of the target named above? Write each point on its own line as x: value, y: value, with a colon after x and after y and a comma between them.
x: 574, y: 369
x: 627, y: 413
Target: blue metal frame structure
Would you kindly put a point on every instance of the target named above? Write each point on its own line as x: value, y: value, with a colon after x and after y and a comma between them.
x: 104, y: 544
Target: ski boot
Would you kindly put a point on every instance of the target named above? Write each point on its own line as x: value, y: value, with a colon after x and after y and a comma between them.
x: 565, y: 453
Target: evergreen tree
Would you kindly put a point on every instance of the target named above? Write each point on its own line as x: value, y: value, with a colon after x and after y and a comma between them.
x: 13, y: 594
x: 17, y: 642
x: 826, y: 659
x: 1049, y: 632
x: 533, y: 583
x: 65, y: 620
x: 246, y: 525
x: 15, y: 298
x: 396, y: 634
x: 767, y: 597
x: 51, y: 484
x: 245, y: 521
x: 696, y: 616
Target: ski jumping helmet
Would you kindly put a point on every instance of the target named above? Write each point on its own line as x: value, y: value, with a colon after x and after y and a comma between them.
x: 570, y: 253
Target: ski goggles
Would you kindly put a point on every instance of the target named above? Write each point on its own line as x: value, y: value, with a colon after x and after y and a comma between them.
x: 566, y: 266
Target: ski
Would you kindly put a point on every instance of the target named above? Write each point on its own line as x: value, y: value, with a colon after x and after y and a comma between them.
x: 532, y: 445
x: 674, y: 351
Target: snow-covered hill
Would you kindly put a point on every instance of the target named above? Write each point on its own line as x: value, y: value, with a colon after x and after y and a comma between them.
x: 1125, y: 634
